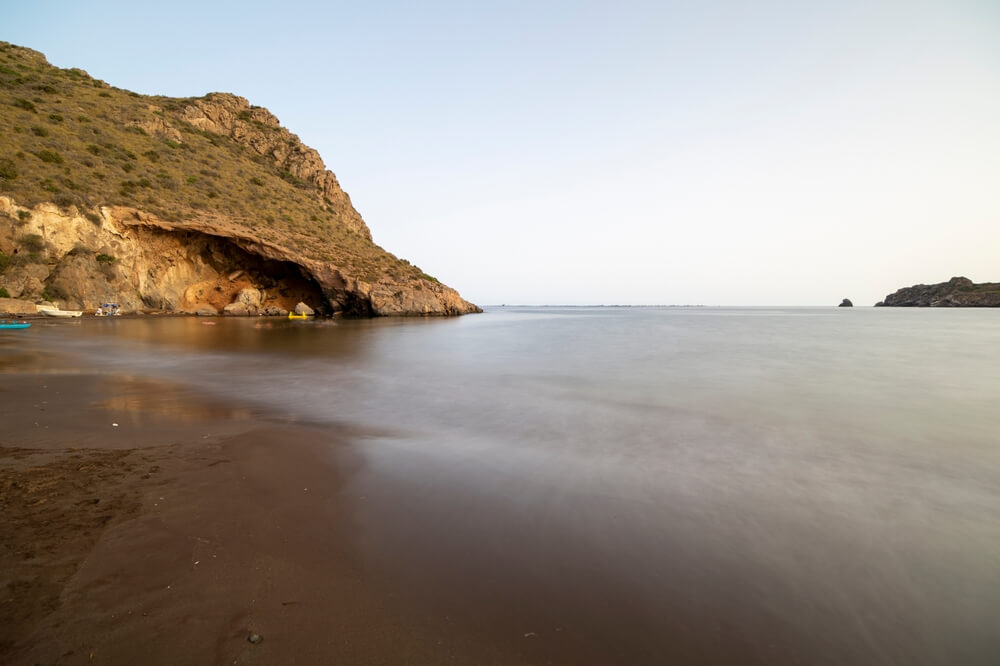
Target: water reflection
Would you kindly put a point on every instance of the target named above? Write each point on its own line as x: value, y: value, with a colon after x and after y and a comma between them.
x: 270, y: 335
x: 144, y: 398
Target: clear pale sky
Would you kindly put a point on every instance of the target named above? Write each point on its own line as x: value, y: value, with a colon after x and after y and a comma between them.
x: 733, y: 153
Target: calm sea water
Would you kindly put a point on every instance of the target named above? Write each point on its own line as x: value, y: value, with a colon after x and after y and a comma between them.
x: 645, y: 485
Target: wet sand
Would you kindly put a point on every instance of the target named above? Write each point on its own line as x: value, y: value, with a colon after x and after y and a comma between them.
x: 167, y: 540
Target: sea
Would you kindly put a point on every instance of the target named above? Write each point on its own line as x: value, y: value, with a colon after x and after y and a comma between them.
x: 643, y: 485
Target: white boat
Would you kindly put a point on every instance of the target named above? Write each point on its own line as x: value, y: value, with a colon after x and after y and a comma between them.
x: 50, y: 311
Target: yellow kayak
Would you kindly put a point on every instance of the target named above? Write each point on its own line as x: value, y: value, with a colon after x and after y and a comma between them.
x: 292, y: 315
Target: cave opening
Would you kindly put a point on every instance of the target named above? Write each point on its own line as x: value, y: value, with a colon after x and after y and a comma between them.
x: 281, y: 284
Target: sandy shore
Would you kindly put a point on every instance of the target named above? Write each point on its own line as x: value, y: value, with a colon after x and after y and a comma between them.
x: 177, y: 534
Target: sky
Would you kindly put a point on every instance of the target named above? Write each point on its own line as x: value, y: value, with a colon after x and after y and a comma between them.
x: 715, y: 153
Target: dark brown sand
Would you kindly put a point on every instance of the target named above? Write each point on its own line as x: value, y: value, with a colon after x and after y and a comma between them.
x: 175, y: 535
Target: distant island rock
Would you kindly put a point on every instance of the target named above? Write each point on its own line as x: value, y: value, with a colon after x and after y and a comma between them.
x: 846, y: 303
x: 958, y: 292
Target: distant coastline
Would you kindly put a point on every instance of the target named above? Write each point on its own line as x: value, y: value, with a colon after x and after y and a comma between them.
x: 958, y: 292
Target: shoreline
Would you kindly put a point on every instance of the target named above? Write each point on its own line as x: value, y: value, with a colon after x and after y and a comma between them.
x: 167, y: 540
x: 115, y: 538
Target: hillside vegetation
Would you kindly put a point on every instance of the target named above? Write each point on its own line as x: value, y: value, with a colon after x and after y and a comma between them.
x: 75, y: 141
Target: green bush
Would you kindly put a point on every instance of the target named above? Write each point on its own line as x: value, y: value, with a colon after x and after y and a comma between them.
x: 39, y: 131
x: 23, y: 215
x: 93, y: 217
x: 105, y: 259
x: 49, y: 156
x: 25, y: 104
x: 64, y: 200
x: 8, y: 170
x: 54, y: 293
x: 4, y: 293
x: 55, y: 117
x: 289, y: 177
x: 32, y: 242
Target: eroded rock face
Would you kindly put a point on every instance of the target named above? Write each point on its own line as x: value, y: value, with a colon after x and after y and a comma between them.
x: 258, y: 129
x: 956, y: 292
x: 144, y: 263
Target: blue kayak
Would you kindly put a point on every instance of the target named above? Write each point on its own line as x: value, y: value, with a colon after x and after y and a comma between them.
x: 14, y: 324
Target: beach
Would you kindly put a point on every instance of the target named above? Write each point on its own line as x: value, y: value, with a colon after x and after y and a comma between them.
x: 132, y: 536
x: 530, y: 486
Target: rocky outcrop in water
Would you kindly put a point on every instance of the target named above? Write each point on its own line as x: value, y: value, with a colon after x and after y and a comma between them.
x: 846, y: 303
x: 958, y: 292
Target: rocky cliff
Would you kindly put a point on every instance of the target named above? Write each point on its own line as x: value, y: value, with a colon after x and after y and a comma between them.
x: 180, y: 205
x: 958, y: 292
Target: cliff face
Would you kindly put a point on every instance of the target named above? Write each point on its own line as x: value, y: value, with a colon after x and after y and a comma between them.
x: 144, y: 263
x: 179, y: 205
x: 957, y: 292
x: 258, y: 129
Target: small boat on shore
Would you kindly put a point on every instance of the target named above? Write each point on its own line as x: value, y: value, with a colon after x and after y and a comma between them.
x: 4, y: 324
x: 50, y: 311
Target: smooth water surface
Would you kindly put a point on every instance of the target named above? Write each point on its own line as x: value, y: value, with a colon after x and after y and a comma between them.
x: 643, y: 485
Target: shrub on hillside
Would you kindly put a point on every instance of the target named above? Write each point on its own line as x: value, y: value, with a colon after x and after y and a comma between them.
x: 49, y: 156
x: 54, y: 293
x: 8, y: 170
x: 64, y: 200
x: 32, y: 242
